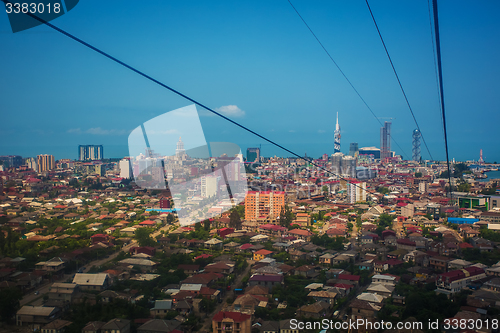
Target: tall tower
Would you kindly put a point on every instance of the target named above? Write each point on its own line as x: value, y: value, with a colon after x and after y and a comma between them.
x: 385, y: 141
x: 179, y: 152
x: 415, y: 150
x: 336, y: 137
x: 481, y: 161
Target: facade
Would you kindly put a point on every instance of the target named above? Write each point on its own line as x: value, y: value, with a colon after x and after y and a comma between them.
x: 45, y: 163
x: 253, y: 154
x: 90, y: 152
x: 370, y: 151
x: 353, y: 149
x: 209, y: 186
x: 385, y: 141
x: 227, y: 322
x: 12, y: 161
x: 263, y: 204
x: 125, y: 168
x: 454, y: 281
x: 356, y: 191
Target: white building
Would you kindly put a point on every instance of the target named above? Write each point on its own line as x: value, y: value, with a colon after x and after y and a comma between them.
x: 125, y: 168
x: 356, y: 191
x: 209, y: 186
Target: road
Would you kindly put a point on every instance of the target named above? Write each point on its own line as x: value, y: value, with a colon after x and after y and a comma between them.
x: 44, y: 289
x: 229, y: 294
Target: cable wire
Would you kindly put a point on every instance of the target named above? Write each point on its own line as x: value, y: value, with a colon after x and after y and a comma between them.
x: 397, y: 77
x: 67, y: 34
x: 342, y: 72
x: 441, y: 89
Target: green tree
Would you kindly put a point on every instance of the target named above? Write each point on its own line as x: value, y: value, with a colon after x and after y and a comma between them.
x: 143, y: 238
x: 9, y: 303
x: 234, y: 220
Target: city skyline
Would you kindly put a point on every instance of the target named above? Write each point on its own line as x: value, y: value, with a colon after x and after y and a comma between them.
x: 266, y: 72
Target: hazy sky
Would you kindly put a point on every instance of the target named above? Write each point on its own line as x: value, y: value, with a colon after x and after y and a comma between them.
x: 256, y: 62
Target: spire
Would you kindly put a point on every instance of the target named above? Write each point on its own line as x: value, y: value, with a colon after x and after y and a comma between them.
x: 336, y: 137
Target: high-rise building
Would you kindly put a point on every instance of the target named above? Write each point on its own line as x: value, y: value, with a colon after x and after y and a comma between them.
x: 370, y: 151
x: 12, y: 161
x: 253, y: 154
x: 336, y: 137
x: 415, y: 151
x: 349, y: 166
x: 385, y: 141
x: 125, y: 168
x: 209, y: 186
x: 180, y: 151
x: 353, y: 149
x: 90, y: 152
x: 31, y: 163
x: 45, y: 163
x: 356, y: 191
x: 337, y: 163
x: 265, y: 205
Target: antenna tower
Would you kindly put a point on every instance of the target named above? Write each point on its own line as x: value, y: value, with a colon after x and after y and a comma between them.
x: 415, y: 151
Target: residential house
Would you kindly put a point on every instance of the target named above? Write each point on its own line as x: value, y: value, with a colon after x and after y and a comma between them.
x: 265, y: 280
x: 326, y: 259
x: 323, y: 295
x: 261, y: 254
x: 235, y: 322
x: 454, y: 281
x: 57, y: 326
x: 93, y: 327
x: 159, y: 326
x: 361, y: 309
x: 88, y: 281
x: 116, y: 326
x: 161, y: 308
x: 36, y: 316
x: 316, y: 310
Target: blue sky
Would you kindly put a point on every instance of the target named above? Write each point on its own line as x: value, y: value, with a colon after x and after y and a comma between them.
x: 256, y: 62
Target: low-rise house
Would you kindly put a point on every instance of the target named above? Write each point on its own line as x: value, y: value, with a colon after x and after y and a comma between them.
x: 214, y: 243
x: 324, y: 295
x: 454, y: 281
x: 93, y: 327
x: 231, y: 322
x: 296, y: 255
x: 326, y: 259
x: 316, y: 310
x: 143, y: 264
x: 62, y: 292
x: 385, y: 279
x: 265, y: 280
x: 116, y: 326
x: 89, y: 281
x: 261, y: 254
x: 161, y: 308
x: 306, y: 271
x: 349, y: 279
x: 159, y: 326
x: 384, y: 290
x: 36, y: 316
x: 439, y: 263
x: 361, y: 309
x: 57, y: 326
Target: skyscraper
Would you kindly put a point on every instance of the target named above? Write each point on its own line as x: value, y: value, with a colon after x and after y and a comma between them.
x: 180, y: 151
x: 45, y: 163
x: 90, y: 152
x: 385, y: 140
x: 336, y: 137
x: 353, y: 149
x: 253, y: 155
